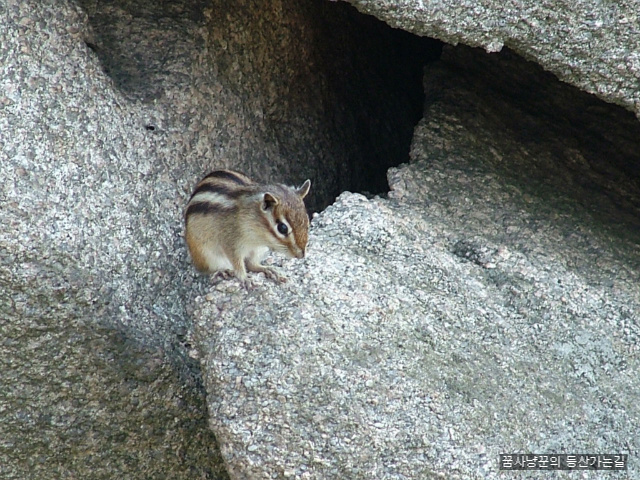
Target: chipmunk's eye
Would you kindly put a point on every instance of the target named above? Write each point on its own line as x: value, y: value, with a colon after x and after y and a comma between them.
x: 282, y: 228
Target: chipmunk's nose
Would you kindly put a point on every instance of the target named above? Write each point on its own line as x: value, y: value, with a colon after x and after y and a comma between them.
x: 300, y: 253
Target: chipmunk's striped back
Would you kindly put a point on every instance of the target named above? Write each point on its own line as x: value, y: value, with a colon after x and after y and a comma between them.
x: 217, y: 192
x: 231, y: 222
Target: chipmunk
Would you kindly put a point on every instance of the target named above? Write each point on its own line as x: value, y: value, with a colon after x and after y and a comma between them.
x: 231, y: 222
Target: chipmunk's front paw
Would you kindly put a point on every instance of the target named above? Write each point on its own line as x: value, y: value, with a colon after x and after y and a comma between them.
x: 221, y: 275
x: 274, y: 275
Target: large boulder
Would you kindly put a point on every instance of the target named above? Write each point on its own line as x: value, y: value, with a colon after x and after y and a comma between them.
x: 489, y: 306
x: 109, y: 114
x: 93, y: 383
x: 592, y: 45
x: 510, y: 244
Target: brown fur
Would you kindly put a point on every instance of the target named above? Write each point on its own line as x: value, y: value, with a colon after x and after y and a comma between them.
x: 230, y: 221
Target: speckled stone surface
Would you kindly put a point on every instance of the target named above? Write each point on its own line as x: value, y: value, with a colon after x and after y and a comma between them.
x: 489, y: 305
x: 400, y: 346
x: 109, y: 114
x: 92, y: 385
x: 592, y: 45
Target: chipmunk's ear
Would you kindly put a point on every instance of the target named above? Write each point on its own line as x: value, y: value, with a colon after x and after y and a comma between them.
x: 268, y: 201
x: 304, y: 189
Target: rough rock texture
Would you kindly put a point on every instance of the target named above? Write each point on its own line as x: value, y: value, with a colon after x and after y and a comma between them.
x: 592, y: 45
x: 281, y: 90
x: 90, y: 262
x: 490, y: 305
x: 415, y: 338
x: 109, y: 113
x: 335, y: 93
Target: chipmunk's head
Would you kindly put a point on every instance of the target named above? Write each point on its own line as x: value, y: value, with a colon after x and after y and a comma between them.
x: 286, y: 219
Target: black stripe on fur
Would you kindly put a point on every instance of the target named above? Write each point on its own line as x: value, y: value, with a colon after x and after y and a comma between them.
x: 228, y: 175
x: 206, y: 208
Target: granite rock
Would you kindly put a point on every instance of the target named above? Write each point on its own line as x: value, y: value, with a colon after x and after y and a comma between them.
x: 489, y: 305
x: 109, y: 114
x: 592, y: 45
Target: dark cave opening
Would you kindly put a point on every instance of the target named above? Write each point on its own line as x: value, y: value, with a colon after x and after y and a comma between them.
x: 382, y: 90
x: 330, y: 93
x: 337, y: 92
